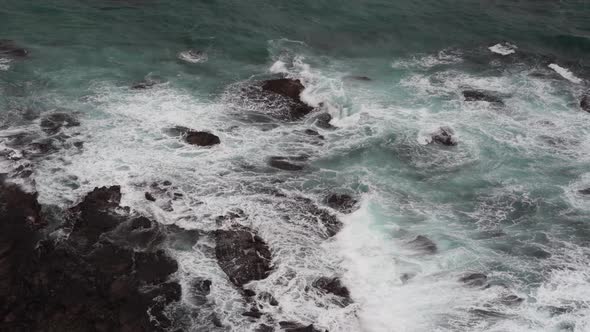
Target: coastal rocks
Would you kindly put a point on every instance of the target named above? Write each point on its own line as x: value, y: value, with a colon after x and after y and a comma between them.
x: 423, y: 244
x: 444, y: 136
x: 585, y: 103
x: 52, y: 123
x: 242, y: 255
x: 333, y: 286
x: 474, y: 280
x: 584, y: 191
x: 341, y: 202
x: 8, y: 48
x: 283, y: 97
x: 329, y: 223
x: 297, y: 327
x: 193, y: 137
x: 85, y: 282
x: 146, y: 83
x: 287, y: 163
x: 201, y: 138
x: 285, y: 87
x: 479, y: 95
x: 323, y: 121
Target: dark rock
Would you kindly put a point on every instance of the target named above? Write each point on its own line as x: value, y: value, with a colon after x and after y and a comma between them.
x: 286, y: 163
x: 424, y: 244
x: 10, y: 49
x: 150, y: 197
x: 267, y: 297
x: 341, y: 202
x: 312, y: 212
x: 154, y: 266
x: 201, y: 138
x: 285, y: 87
x: 358, y: 78
x: 264, y: 328
x: 253, y: 312
x: 53, y: 122
x: 478, y: 95
x: 333, y: 286
x: 323, y: 121
x: 584, y: 191
x: 198, y: 291
x: 585, y: 103
x: 66, y: 286
x: 146, y: 83
x: 511, y: 300
x: 242, y: 255
x: 296, y: 327
x: 249, y: 292
x: 312, y: 132
x: 475, y: 279
x: 444, y: 136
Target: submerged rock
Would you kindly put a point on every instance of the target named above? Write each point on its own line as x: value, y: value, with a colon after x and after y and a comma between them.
x: 424, y: 244
x: 358, y: 78
x: 297, y: 327
x: 585, y: 103
x: 201, y: 138
x: 333, y: 286
x: 341, y: 202
x: 479, y: 95
x: 444, y: 136
x: 146, y: 83
x: 323, y: 121
x: 193, y: 56
x: 584, y: 191
x: 286, y: 163
x: 474, y: 279
x: 310, y: 211
x: 10, y: 49
x: 242, y: 255
x: 52, y: 123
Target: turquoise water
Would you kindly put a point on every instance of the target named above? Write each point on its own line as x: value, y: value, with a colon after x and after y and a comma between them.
x: 504, y: 201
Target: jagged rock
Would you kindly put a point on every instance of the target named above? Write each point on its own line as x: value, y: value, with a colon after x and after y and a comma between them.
x: 9, y: 49
x: 444, y: 136
x: 267, y: 297
x: 332, y: 286
x: 146, y: 83
x: 150, y: 197
x: 479, y: 95
x: 285, y: 87
x: 341, y: 202
x: 52, y: 123
x: 154, y: 267
x: 424, y: 244
x: 323, y: 121
x: 264, y: 328
x: 584, y: 191
x: 198, y: 291
x: 242, y: 255
x: 585, y: 103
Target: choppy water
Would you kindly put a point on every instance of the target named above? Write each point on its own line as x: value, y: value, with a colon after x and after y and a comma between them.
x: 504, y: 201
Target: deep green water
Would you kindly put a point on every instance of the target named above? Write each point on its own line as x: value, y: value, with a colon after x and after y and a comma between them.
x: 505, y: 201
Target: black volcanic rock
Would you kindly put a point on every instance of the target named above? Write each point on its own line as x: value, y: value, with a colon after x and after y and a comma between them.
x: 288, y: 89
x: 242, y: 255
x: 285, y: 87
x: 297, y: 327
x: 314, y: 214
x: 479, y: 95
x: 341, y: 202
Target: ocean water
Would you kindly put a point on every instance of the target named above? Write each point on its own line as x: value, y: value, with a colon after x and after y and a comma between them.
x: 505, y: 201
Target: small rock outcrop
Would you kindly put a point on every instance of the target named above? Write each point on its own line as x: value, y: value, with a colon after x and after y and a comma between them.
x: 242, y: 255
x: 474, y: 279
x: 479, y: 95
x: 52, y: 123
x: 193, y: 137
x: 333, y: 286
x: 444, y: 136
x: 341, y: 202
x: 423, y: 244
x: 287, y: 163
x: 584, y: 191
x: 289, y: 89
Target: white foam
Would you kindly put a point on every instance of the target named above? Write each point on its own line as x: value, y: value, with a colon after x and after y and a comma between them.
x: 193, y: 56
x: 4, y: 64
x: 279, y: 67
x: 565, y: 73
x: 503, y: 48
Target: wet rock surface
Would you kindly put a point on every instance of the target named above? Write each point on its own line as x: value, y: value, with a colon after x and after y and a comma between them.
x: 341, y: 202
x: 201, y: 138
x: 333, y: 286
x: 584, y: 191
x: 52, y: 123
x: 85, y: 282
x: 287, y: 163
x: 479, y: 95
x: 444, y: 136
x: 474, y: 279
x: 282, y: 97
x: 297, y: 327
x: 242, y: 255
